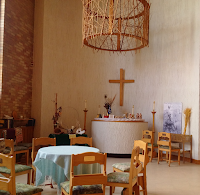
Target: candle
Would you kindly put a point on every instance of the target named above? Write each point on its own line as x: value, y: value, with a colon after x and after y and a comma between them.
x: 85, y: 105
x: 133, y: 110
x: 153, y: 105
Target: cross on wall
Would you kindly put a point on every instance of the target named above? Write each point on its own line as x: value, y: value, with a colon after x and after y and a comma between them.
x: 121, y: 82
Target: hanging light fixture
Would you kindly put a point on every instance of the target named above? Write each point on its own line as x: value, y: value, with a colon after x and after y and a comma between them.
x: 115, y: 25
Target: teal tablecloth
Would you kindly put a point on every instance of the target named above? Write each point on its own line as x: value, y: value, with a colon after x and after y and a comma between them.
x: 63, y: 139
x: 55, y: 161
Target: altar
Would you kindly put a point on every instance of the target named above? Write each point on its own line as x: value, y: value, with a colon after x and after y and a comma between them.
x: 115, y: 136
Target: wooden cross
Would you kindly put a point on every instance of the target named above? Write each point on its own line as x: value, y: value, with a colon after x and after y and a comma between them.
x: 121, y: 81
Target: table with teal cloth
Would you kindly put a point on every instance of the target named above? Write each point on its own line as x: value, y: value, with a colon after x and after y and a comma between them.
x: 55, y: 161
x: 63, y: 139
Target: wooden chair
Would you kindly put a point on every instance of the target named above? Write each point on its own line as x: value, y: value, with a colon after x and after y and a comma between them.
x: 164, y: 145
x: 129, y: 179
x: 147, y: 136
x: 37, y: 144
x: 86, y: 183
x: 18, y: 149
x: 81, y: 140
x: 19, y: 133
x: 125, y: 167
x: 19, y: 168
x: 8, y: 183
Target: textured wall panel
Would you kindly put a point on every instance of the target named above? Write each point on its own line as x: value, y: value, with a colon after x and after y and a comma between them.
x: 116, y: 137
x: 18, y: 58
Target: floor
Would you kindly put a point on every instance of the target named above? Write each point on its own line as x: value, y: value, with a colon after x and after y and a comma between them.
x: 161, y: 179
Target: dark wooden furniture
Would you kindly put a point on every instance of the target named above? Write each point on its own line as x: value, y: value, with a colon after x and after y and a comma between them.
x: 63, y: 139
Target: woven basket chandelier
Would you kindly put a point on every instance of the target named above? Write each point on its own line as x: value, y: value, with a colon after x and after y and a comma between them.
x: 115, y: 25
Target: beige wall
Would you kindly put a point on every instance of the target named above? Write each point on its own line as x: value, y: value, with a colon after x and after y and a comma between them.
x: 166, y: 71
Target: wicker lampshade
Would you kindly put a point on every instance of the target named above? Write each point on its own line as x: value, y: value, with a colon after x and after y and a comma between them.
x: 115, y: 25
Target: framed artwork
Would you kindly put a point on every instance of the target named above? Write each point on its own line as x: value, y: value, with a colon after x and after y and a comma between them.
x: 172, y: 118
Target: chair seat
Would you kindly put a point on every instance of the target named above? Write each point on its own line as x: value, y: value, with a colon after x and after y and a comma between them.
x: 167, y: 147
x: 19, y: 148
x: 6, y: 151
x: 154, y: 144
x: 16, y: 148
x: 118, y: 177
x: 84, y: 189
x: 125, y: 167
x: 18, y: 168
x: 23, y: 189
x: 28, y: 145
x: 1, y: 175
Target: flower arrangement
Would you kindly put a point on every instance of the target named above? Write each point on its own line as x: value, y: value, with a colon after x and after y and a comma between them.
x: 57, y: 113
x: 108, y: 103
x: 56, y: 116
x: 187, y: 113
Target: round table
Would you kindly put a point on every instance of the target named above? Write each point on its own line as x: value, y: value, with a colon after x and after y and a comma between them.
x: 55, y: 161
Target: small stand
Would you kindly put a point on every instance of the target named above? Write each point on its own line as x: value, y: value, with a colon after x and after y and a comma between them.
x: 85, y: 119
x: 153, y: 129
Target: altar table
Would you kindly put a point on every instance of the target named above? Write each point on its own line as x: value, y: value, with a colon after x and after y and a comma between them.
x: 116, y: 137
x: 55, y: 161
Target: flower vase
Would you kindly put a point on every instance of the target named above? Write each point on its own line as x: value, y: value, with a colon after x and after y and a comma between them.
x: 107, y: 115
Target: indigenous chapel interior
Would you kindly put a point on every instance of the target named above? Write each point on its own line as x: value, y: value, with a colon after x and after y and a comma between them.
x: 41, y: 54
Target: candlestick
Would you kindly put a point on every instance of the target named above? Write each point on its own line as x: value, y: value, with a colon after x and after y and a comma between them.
x: 133, y: 110
x: 153, y: 128
x: 98, y: 110
x: 85, y: 104
x: 153, y: 105
x: 153, y: 153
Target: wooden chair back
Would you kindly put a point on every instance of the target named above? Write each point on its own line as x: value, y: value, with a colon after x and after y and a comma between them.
x: 144, y: 159
x: 147, y: 136
x: 88, y: 179
x: 164, y: 139
x: 10, y: 143
x: 143, y: 151
x: 136, y: 166
x: 8, y: 184
x: 81, y: 140
x: 37, y: 143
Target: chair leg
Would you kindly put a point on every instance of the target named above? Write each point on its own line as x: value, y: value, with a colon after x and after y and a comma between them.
x: 28, y: 178
x: 32, y: 177
x: 135, y: 190
x: 158, y: 155
x: 111, y: 190
x: 170, y: 155
x: 167, y: 155
x: 179, y: 157
x: 145, y: 184
x: 151, y: 154
x: 27, y: 157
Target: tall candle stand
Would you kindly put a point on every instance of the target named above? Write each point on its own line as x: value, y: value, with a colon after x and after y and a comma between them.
x: 85, y: 119
x: 153, y: 121
x: 153, y: 129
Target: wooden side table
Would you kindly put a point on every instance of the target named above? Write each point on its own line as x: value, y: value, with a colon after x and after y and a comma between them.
x: 180, y: 138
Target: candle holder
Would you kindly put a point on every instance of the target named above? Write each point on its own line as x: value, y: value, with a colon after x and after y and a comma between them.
x: 153, y: 129
x: 153, y: 112
x: 85, y: 119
